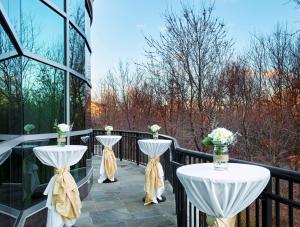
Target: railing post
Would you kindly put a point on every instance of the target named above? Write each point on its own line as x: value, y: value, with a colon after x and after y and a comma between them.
x: 180, y: 200
x: 137, y: 150
x: 93, y: 143
x: 267, y: 206
x: 121, y: 150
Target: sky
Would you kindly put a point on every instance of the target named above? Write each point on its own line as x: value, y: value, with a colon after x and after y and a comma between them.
x: 119, y: 26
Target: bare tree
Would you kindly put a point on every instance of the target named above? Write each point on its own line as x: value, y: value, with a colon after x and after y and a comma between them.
x: 191, y: 53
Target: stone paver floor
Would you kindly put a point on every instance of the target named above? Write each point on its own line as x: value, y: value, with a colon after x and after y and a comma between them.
x: 120, y: 204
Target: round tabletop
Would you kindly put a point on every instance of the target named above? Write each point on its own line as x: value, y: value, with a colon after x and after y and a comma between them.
x: 60, y: 156
x: 223, y: 193
x: 108, y: 140
x: 154, y: 147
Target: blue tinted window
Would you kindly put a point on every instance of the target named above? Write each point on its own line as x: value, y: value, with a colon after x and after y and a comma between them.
x: 59, y: 3
x: 5, y: 43
x: 39, y: 31
x: 87, y: 64
x: 12, y: 9
x: 87, y: 26
x: 43, y: 91
x: 79, y: 102
x: 77, y: 12
x: 42, y: 31
x: 10, y: 97
x: 77, y: 51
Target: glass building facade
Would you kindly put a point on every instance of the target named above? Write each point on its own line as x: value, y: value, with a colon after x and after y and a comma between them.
x: 44, y: 77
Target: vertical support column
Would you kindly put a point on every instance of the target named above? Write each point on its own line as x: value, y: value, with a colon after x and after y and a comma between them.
x: 67, y: 88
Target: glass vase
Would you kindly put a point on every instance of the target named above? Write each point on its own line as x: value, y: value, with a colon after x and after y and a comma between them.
x: 61, y: 139
x: 155, y: 135
x: 221, y: 157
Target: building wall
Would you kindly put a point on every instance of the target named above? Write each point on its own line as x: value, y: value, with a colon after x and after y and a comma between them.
x: 44, y: 77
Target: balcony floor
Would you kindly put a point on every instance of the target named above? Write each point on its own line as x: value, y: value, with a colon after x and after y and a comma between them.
x: 120, y: 204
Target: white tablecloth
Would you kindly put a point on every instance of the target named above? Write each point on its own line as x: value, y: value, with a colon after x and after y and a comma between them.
x: 223, y: 194
x: 58, y: 157
x: 108, y: 141
x: 155, y: 148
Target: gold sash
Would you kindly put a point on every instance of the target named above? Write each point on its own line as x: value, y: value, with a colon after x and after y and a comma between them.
x: 224, y: 222
x: 152, y: 180
x: 65, y: 195
x: 110, y: 163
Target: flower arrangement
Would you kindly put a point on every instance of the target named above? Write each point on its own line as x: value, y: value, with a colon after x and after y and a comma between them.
x: 61, y: 132
x: 220, y: 138
x: 63, y: 128
x: 29, y: 127
x: 154, y: 130
x: 108, y: 129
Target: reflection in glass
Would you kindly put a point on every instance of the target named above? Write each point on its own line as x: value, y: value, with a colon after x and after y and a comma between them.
x: 5, y: 43
x: 42, y: 31
x: 43, y: 91
x: 12, y: 9
x: 87, y: 26
x: 76, y: 12
x: 5, y: 219
x: 80, y: 170
x: 11, y: 98
x: 4, y: 155
x: 33, y: 29
x: 79, y: 102
x: 87, y: 64
x: 23, y: 177
x: 59, y: 3
x: 77, y: 50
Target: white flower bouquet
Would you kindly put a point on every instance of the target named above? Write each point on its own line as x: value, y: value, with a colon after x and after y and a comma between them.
x: 108, y: 129
x: 61, y: 132
x: 63, y: 127
x: 154, y: 129
x: 220, y: 136
x: 29, y: 127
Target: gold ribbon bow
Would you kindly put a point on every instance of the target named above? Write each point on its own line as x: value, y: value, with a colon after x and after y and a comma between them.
x: 110, y: 162
x: 65, y: 195
x: 152, y: 179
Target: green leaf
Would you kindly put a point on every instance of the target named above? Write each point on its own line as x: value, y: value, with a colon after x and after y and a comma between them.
x: 207, y: 141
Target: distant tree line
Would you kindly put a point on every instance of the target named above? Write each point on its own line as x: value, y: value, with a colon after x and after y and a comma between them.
x: 193, y: 82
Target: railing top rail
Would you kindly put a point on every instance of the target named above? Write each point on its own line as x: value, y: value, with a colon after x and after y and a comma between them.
x: 145, y: 133
x: 275, y: 171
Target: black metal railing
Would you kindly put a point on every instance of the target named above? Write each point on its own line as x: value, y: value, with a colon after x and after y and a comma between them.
x: 278, y: 205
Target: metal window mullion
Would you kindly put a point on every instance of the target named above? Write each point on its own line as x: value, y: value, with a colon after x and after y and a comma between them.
x: 67, y: 53
x: 82, y: 34
x: 55, y: 8
x: 8, y: 28
x: 80, y: 76
x: 8, y: 55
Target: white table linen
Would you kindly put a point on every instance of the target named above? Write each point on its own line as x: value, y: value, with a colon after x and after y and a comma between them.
x: 107, y: 141
x: 58, y: 157
x: 223, y: 194
x: 155, y: 148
